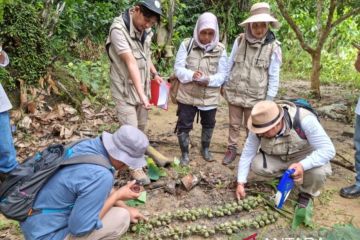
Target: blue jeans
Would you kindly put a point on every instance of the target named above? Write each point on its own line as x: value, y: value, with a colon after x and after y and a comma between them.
x: 7, y: 149
x: 357, y: 149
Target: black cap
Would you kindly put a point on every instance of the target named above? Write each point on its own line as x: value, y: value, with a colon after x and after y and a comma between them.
x: 152, y: 5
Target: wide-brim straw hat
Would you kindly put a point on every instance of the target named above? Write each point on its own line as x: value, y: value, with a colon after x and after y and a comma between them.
x: 260, y: 12
x: 264, y: 116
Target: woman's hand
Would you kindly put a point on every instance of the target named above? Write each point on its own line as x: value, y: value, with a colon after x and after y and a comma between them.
x: 197, y: 75
x: 135, y: 215
x: 298, y: 175
x: 126, y: 193
x: 240, y: 191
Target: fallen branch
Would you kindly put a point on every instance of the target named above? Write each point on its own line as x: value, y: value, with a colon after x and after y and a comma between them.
x: 344, y: 158
x: 351, y: 168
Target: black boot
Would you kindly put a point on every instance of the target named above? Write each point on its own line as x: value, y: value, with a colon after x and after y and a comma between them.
x: 184, y: 147
x: 350, y: 192
x: 206, y: 135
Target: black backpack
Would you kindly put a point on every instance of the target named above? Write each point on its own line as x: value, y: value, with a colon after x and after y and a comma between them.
x: 302, y: 103
x: 19, y: 190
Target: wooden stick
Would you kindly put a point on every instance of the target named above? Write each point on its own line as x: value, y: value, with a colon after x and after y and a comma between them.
x: 351, y: 168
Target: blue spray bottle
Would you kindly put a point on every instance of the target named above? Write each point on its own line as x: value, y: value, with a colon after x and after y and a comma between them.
x: 284, y: 188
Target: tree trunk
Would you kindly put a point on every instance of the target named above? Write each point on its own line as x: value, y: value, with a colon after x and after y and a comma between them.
x: 315, y: 73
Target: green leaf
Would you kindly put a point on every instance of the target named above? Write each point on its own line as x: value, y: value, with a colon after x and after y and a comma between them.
x: 141, y: 200
x: 339, y: 232
x: 154, y: 172
x: 303, y: 215
x: 176, y: 161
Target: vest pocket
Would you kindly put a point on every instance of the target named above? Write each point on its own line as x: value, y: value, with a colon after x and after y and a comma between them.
x: 140, y: 59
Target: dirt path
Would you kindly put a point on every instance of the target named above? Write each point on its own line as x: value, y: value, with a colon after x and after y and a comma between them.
x: 330, y: 208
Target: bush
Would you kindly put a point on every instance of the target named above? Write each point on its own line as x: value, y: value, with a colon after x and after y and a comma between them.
x: 25, y: 42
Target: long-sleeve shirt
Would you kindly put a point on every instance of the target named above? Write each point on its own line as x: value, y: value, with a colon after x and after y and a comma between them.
x: 357, y: 110
x: 323, y: 152
x: 186, y: 75
x: 85, y: 187
x: 5, y: 104
x: 274, y: 68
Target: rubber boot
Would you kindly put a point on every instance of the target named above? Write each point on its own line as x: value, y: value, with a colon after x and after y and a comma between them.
x: 184, y: 147
x: 206, y: 135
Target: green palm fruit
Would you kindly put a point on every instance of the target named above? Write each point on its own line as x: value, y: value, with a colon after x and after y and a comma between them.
x: 206, y: 234
x: 262, y: 223
x: 246, y: 207
x: 229, y: 231
x: 267, y: 221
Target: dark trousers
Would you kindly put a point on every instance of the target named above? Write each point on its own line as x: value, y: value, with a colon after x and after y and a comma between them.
x: 186, y: 115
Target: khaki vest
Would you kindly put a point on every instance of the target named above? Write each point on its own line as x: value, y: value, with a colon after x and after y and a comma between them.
x: 121, y: 86
x: 248, y: 80
x: 289, y: 147
x: 193, y: 94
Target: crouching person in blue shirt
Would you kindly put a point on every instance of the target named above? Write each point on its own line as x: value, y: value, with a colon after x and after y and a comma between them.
x: 79, y: 201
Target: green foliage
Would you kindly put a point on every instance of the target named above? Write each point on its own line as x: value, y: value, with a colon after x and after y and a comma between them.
x: 154, y: 172
x: 185, y: 17
x: 141, y: 200
x: 338, y: 55
x: 25, y: 42
x: 343, y: 232
x: 303, y: 215
x: 94, y: 74
x: 3, y: 3
x: 89, y: 18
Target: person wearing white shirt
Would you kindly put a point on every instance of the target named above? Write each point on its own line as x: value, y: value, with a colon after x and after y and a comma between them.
x: 274, y: 145
x: 353, y: 191
x: 200, y: 66
x: 7, y: 149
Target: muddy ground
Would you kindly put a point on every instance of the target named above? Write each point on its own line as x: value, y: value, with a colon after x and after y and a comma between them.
x: 218, y: 184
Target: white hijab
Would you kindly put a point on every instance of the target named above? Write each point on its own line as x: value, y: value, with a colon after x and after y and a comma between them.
x: 206, y: 20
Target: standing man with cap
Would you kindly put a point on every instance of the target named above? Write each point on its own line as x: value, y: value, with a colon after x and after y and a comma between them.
x: 281, y: 148
x: 7, y: 149
x: 128, y: 48
x: 353, y: 191
x: 79, y: 202
x: 253, y: 71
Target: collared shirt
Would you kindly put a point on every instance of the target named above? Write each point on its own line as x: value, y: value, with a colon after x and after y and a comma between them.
x: 119, y: 41
x: 85, y: 186
x: 357, y: 110
x: 274, y: 68
x: 323, y: 152
x: 5, y: 104
x: 185, y: 75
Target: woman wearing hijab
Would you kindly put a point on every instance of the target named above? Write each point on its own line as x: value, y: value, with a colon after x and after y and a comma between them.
x: 253, y: 73
x: 201, y: 67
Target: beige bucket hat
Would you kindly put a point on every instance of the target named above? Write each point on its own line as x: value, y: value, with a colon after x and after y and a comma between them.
x: 260, y: 12
x: 264, y: 116
x: 128, y: 145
